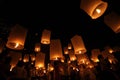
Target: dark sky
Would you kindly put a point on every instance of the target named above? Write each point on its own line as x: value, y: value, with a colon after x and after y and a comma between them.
x: 63, y: 18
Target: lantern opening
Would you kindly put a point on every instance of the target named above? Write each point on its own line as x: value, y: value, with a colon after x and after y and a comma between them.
x: 99, y: 10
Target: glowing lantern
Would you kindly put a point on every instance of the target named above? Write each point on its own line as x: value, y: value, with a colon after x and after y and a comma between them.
x: 72, y: 55
x: 2, y: 44
x: 45, y: 39
x: 94, y: 8
x: 78, y: 44
x: 94, y: 56
x: 109, y: 49
x: 26, y: 58
x: 112, y: 59
x: 17, y: 38
x: 55, y: 49
x: 15, y: 58
x: 65, y: 50
x: 40, y: 60
x: 37, y: 47
x: 82, y: 58
x: 32, y: 57
x: 112, y: 20
x: 69, y: 46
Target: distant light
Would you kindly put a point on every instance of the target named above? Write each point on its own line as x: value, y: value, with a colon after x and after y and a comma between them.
x: 98, y: 11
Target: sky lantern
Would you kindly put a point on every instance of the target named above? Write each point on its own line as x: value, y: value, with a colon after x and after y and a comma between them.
x: 94, y: 55
x: 66, y: 50
x: 26, y: 58
x: 37, y: 47
x: 112, y: 20
x: 78, y: 44
x: 82, y: 58
x: 32, y: 57
x: 94, y: 8
x: 2, y: 45
x: 72, y: 55
x: 40, y: 60
x: 69, y: 46
x: 55, y: 49
x: 17, y: 37
x: 16, y: 56
x: 45, y: 38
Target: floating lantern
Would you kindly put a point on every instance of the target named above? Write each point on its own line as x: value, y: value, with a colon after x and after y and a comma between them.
x: 112, y: 20
x: 65, y: 50
x: 2, y: 45
x: 17, y: 38
x: 45, y: 39
x: 94, y: 56
x: 55, y: 49
x: 69, y: 46
x: 78, y: 44
x: 72, y: 55
x: 40, y: 60
x: 37, y: 47
x: 94, y: 8
x: 26, y: 58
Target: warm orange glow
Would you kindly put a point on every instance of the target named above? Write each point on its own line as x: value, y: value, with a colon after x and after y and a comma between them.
x: 98, y: 11
x: 17, y: 44
x: 16, y: 38
x: 110, y: 51
x: 80, y: 52
x: 94, y: 8
x: 45, y: 38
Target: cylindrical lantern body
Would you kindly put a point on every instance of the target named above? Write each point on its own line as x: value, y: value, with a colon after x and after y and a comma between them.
x: 94, y: 8
x: 16, y: 56
x: 82, y: 58
x: 40, y: 60
x: 32, y: 57
x: 78, y: 44
x: 55, y: 49
x: 45, y: 39
x: 2, y: 45
x: 65, y: 50
x: 72, y: 55
x: 26, y: 58
x: 17, y: 38
x: 112, y: 20
x: 94, y: 55
x: 37, y: 47
x: 69, y: 46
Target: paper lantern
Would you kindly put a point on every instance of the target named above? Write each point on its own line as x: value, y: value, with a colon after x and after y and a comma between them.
x: 72, y: 55
x: 17, y: 38
x: 78, y: 44
x: 55, y: 49
x: 40, y: 60
x: 16, y: 56
x: 82, y: 58
x: 65, y: 50
x: 94, y: 8
x: 32, y: 57
x: 37, y: 47
x: 112, y: 20
x: 69, y: 46
x: 94, y: 55
x: 26, y: 58
x: 45, y: 39
x: 2, y: 45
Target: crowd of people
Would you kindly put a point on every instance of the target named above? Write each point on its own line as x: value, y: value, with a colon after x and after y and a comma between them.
x: 104, y: 70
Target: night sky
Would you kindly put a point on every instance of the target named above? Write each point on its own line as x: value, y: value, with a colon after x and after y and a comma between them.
x: 64, y: 18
